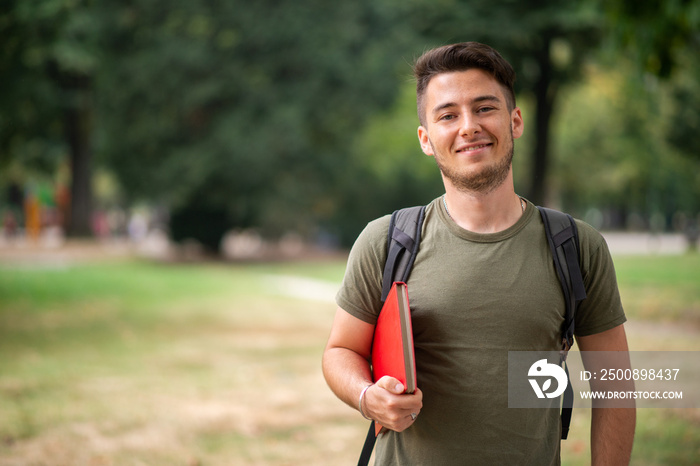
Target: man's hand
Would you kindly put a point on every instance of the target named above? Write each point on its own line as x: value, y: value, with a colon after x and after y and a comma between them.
x: 386, y: 403
x: 347, y: 371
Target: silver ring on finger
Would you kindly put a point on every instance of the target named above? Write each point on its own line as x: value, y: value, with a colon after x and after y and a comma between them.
x: 414, y: 416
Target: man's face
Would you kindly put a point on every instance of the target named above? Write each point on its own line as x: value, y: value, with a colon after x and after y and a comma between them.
x: 469, y: 129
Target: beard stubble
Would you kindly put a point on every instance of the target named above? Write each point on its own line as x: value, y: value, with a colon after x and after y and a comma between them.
x: 482, y: 182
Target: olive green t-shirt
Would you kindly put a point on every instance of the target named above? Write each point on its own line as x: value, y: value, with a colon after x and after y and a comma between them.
x: 473, y: 298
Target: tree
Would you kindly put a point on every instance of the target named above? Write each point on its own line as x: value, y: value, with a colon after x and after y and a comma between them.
x: 243, y: 111
x: 47, y: 63
x: 614, y: 155
x: 662, y: 39
x: 654, y: 34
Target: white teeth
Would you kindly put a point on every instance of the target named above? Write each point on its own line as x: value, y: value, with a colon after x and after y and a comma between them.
x: 469, y: 149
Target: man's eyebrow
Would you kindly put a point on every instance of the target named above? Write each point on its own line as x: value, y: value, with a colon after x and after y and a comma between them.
x: 481, y: 98
x: 441, y: 107
x: 487, y: 98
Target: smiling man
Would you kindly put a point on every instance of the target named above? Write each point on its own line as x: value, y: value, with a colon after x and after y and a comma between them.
x: 482, y: 284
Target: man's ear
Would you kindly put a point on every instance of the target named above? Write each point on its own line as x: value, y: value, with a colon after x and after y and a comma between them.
x: 516, y: 123
x: 425, y: 141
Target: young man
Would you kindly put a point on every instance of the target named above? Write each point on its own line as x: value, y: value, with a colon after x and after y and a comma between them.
x: 482, y: 284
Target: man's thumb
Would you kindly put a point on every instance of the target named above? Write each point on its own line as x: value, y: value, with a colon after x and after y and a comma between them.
x: 391, y: 384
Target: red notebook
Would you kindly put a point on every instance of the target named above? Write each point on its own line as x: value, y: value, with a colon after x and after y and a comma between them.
x: 392, y: 348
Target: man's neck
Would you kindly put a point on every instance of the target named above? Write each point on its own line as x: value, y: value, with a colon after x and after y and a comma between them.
x: 495, y: 211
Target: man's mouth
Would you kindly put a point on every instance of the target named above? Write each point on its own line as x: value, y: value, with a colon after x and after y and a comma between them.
x: 472, y: 148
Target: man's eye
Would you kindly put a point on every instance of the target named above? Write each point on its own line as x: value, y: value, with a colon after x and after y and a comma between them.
x: 485, y: 109
x: 447, y: 117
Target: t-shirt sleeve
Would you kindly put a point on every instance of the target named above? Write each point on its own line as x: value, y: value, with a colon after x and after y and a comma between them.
x: 602, y: 308
x: 361, y: 290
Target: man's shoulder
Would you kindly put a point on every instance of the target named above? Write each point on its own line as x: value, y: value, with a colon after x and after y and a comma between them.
x: 589, y: 238
x: 377, y: 229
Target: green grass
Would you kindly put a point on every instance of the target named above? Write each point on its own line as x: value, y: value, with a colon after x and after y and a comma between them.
x: 80, y: 307
x: 662, y: 438
x: 140, y: 363
x: 661, y: 288
x: 93, y: 353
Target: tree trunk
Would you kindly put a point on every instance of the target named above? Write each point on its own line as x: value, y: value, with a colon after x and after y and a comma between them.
x: 78, y: 125
x: 545, y: 94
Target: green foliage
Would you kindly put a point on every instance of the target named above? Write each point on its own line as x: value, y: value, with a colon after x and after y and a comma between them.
x: 613, y: 152
x: 246, y: 108
x: 46, y: 47
x: 200, y: 222
x: 654, y: 33
x: 389, y: 169
x: 684, y: 121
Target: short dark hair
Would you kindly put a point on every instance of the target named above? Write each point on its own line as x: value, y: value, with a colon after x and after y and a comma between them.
x: 461, y: 57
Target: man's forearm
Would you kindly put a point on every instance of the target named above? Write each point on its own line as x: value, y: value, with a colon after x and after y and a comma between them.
x: 346, y: 373
x: 612, y: 429
x: 612, y: 436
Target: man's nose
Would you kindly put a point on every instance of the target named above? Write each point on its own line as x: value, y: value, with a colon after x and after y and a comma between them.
x: 470, y: 126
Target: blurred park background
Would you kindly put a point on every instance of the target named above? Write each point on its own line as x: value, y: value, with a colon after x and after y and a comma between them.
x: 297, y: 119
x: 180, y: 180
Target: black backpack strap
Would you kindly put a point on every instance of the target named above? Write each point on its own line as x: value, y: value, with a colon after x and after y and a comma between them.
x: 403, y: 239
x: 562, y: 236
x: 567, y: 404
x: 367, y: 448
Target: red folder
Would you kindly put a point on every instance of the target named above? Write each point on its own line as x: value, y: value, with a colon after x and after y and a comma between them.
x: 392, y: 348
